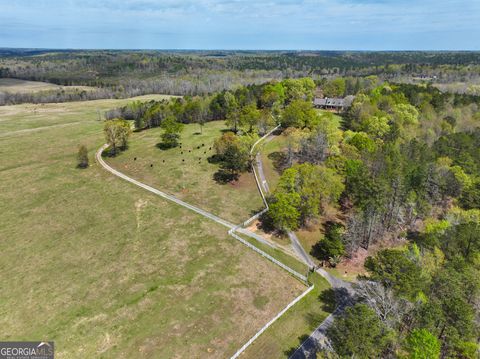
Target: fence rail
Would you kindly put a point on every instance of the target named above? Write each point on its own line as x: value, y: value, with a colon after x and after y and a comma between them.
x: 266, y: 326
x: 268, y: 256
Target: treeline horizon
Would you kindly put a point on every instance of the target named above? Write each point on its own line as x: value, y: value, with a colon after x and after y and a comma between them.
x: 128, y: 73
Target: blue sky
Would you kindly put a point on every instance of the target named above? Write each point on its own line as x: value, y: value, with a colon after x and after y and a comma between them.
x: 241, y: 24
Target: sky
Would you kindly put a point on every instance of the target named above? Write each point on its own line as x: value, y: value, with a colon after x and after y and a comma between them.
x: 241, y: 24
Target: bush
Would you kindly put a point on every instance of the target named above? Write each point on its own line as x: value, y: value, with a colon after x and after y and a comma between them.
x: 82, y: 157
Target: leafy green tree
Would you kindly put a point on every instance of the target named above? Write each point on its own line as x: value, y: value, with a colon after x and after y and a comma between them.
x: 421, y: 344
x: 232, y: 112
x: 361, y: 141
x: 470, y: 197
x: 232, y: 152
x: 155, y: 113
x: 449, y: 313
x: 314, y: 185
x: 116, y: 133
x: 283, y: 210
x: 250, y: 116
x: 194, y: 112
x: 272, y: 93
x: 462, y: 240
x: 265, y: 121
x: 331, y: 246
x: 171, y: 132
x: 359, y: 333
x: 235, y: 159
x: 218, y: 107
x: 223, y: 142
x: 308, y: 88
x: 396, y: 270
x: 334, y: 88
x: 297, y: 89
x: 300, y: 114
x: 377, y: 126
x: 82, y: 157
x: 135, y: 111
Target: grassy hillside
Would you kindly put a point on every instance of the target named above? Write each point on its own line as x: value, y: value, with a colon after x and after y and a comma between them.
x: 106, y: 269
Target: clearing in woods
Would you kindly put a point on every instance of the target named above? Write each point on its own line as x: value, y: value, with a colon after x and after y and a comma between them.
x: 107, y: 269
x: 24, y: 86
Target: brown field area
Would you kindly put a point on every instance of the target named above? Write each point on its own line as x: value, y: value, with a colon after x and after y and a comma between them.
x: 24, y: 86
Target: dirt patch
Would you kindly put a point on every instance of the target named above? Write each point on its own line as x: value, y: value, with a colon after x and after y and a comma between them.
x: 140, y: 204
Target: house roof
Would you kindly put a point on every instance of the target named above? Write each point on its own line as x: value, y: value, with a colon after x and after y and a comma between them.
x: 335, y: 102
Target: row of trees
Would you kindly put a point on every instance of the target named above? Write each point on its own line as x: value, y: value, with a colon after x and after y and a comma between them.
x: 247, y: 110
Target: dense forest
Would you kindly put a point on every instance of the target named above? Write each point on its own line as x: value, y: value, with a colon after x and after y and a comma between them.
x: 402, y: 168
x: 117, y: 74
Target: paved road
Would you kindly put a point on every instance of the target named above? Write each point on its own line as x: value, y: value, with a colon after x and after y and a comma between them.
x: 261, y: 173
x: 345, y: 296
x: 297, y: 247
x: 169, y: 197
x: 344, y: 290
x: 299, y: 250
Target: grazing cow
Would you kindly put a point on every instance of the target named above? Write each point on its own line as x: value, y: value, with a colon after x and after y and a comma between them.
x: 151, y: 165
x: 134, y: 158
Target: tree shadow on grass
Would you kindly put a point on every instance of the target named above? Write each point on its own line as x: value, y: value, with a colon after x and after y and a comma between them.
x: 279, y: 160
x: 328, y: 298
x: 166, y: 146
x: 266, y: 223
x: 109, y: 152
x: 289, y: 352
x: 223, y: 177
x: 215, y: 159
x: 317, y: 252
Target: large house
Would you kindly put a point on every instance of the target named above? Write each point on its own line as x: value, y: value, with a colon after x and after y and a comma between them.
x: 338, y: 104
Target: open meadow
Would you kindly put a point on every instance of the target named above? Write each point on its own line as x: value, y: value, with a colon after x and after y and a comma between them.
x: 106, y: 269
x: 186, y: 172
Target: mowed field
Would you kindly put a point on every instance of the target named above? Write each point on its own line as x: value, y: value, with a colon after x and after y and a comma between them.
x: 186, y: 172
x: 106, y: 269
x: 24, y: 86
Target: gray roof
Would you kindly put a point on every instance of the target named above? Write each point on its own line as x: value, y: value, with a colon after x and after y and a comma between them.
x: 334, y: 102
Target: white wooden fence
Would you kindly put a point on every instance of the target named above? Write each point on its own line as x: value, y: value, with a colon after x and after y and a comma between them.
x: 268, y: 256
x: 266, y: 326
